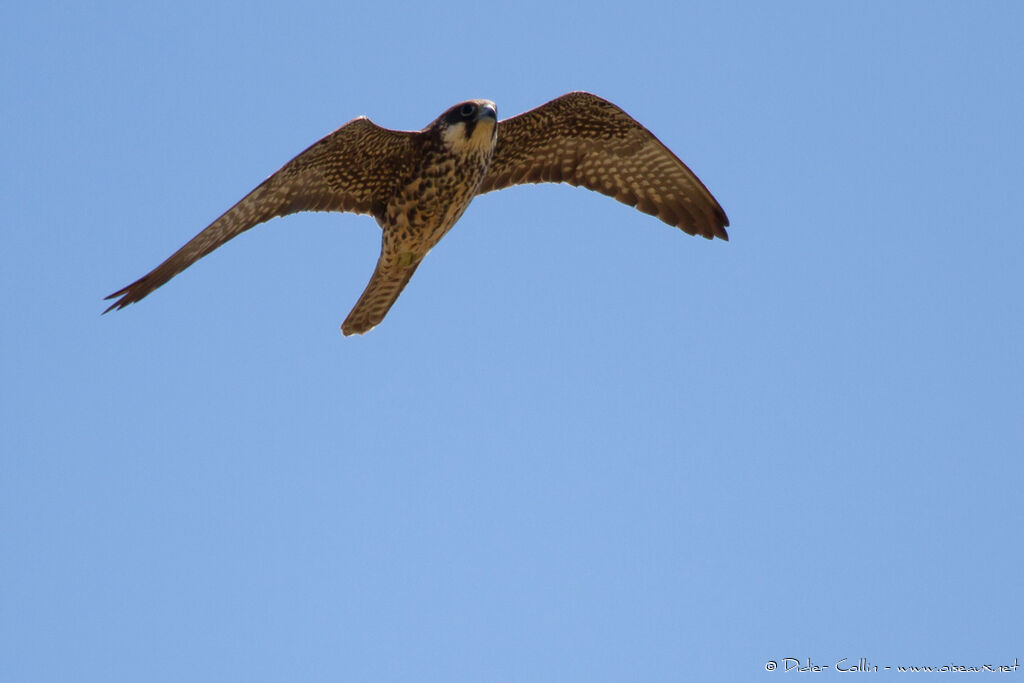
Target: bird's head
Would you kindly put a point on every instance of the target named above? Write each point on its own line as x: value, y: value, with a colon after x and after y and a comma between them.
x: 469, y: 126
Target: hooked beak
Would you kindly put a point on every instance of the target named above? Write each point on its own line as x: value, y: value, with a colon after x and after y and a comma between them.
x: 487, y: 111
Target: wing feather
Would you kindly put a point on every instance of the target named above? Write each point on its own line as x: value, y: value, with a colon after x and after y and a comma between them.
x: 583, y: 140
x: 355, y: 169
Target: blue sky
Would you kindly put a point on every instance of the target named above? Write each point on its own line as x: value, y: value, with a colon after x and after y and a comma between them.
x: 583, y: 446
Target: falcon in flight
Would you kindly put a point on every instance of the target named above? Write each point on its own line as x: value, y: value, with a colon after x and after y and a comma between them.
x: 418, y: 184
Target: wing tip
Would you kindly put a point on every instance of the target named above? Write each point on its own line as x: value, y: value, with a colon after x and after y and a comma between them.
x: 723, y: 222
x: 715, y: 231
x: 117, y: 305
x: 136, y: 291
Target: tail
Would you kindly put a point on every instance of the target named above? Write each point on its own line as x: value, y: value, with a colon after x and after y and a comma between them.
x: 378, y: 297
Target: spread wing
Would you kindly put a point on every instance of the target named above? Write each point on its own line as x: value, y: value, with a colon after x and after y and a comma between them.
x: 355, y: 168
x: 586, y: 141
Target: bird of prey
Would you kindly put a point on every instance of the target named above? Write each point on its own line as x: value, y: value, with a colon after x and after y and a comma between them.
x: 417, y: 184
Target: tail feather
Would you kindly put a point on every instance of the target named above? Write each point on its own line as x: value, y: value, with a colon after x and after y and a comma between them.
x: 378, y: 297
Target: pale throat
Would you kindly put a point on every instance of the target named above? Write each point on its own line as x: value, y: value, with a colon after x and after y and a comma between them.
x: 481, y: 139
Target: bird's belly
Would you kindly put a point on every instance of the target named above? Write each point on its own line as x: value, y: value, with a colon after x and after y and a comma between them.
x: 416, y: 220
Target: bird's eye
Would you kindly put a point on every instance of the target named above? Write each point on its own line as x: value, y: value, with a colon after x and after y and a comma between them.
x: 467, y: 110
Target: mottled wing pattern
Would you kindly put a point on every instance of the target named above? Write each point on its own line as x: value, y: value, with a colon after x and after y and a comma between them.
x: 355, y: 169
x: 586, y: 141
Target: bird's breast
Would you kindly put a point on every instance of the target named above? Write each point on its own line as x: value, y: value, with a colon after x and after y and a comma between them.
x: 432, y: 201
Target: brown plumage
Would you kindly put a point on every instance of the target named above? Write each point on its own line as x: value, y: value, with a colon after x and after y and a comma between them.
x: 583, y: 140
x: 417, y: 184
